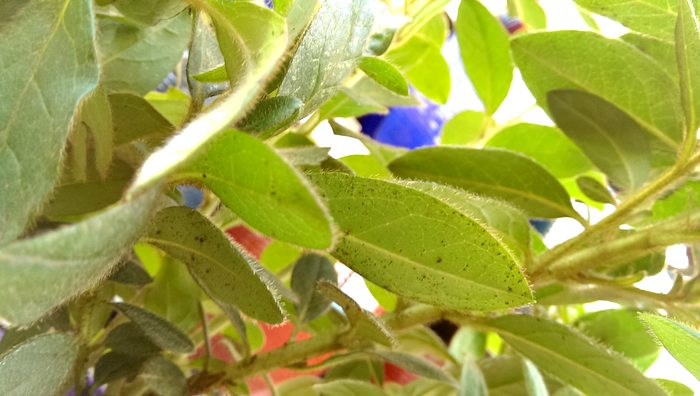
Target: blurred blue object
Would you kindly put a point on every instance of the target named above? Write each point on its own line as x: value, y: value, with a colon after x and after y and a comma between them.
x: 192, y: 196
x: 409, y: 127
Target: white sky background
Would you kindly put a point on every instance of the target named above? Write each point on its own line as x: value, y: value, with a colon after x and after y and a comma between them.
x: 561, y: 14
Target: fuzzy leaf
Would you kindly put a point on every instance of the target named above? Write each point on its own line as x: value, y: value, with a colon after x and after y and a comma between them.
x: 40, y: 40
x: 412, y: 244
x: 308, y: 271
x: 226, y: 274
x: 157, y: 329
x: 384, y: 73
x: 680, y: 340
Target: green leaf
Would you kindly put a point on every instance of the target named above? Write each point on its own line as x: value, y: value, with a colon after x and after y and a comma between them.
x: 662, y: 51
x: 271, y: 115
x: 533, y: 380
x: 172, y: 104
x: 624, y: 333
x: 345, y: 104
x: 95, y: 118
x: 416, y: 365
x: 688, y: 57
x: 652, y: 17
x: 158, y: 330
x: 55, y: 354
x: 384, y: 73
x: 134, y: 118
x: 675, y: 388
x: 412, y: 244
x: 225, y: 273
x: 41, y: 273
x: 472, y: 382
x: 467, y: 343
x: 595, y: 190
x: 174, y: 295
x: 366, y: 324
x: 684, y: 198
x: 260, y: 48
x: 423, y: 64
x: 484, y: 46
x: 571, y: 357
x: 529, y: 11
x: 503, y: 375
x: 548, y: 146
x: 328, y: 52
x: 131, y: 273
x: 608, y: 68
x: 258, y: 185
x: 464, y: 128
x: 150, y: 12
x: 308, y: 271
x: 385, y: 298
x: 39, y: 40
x: 496, y: 173
x: 114, y: 365
x: 137, y: 58
x: 163, y: 377
x: 129, y: 339
x: 680, y: 340
x: 279, y: 255
x: 348, y: 387
x: 612, y: 140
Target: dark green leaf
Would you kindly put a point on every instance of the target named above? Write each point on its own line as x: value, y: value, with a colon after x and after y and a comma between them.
x: 361, y: 369
x: 163, y: 377
x: 308, y: 271
x: 113, y: 366
x: 157, y: 329
x: 39, y: 40
x: 464, y: 128
x: 384, y: 73
x: 548, y: 146
x: 137, y: 58
x: 472, y: 382
x: 150, y: 11
x: 496, y: 173
x: 414, y: 245
x: 131, y: 273
x: 688, y: 58
x: 134, y: 118
x: 328, y: 52
x: 681, y: 341
x: 594, y: 190
x: 571, y: 357
x: 41, y: 273
x: 608, y: 68
x: 624, y: 333
x: 259, y: 186
x: 612, y: 140
x: 271, y: 115
x: 225, y: 273
x: 484, y: 46
x: 129, y: 339
x: 54, y: 354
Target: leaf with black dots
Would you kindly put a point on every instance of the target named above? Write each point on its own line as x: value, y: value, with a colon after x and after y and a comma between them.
x: 224, y: 272
x: 420, y: 247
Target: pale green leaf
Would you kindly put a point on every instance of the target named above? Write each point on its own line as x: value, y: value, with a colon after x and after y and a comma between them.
x: 547, y: 145
x: 137, y: 58
x: 41, y: 273
x: 385, y: 298
x: 348, y: 387
x: 308, y: 271
x: 675, y: 388
x: 623, y: 332
x: 174, y: 295
x: 681, y: 341
x: 571, y: 357
x: 484, y: 46
x: 503, y: 375
x: 412, y: 244
x: 423, y: 64
x: 688, y: 58
x: 529, y: 11
x: 328, y: 52
x: 258, y: 185
x: 533, y: 380
x: 652, y: 17
x: 610, y: 69
x: 594, y: 190
x: 150, y: 11
x: 39, y: 41
x: 134, y: 119
x: 54, y: 354
x: 163, y: 377
x: 95, y: 118
x: 172, y: 104
x: 260, y: 48
x: 613, y: 141
x: 158, y: 330
x: 496, y: 173
x: 472, y: 382
x: 227, y: 274
x: 662, y: 51
x: 684, y: 198
x: 384, y: 73
x: 464, y: 128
